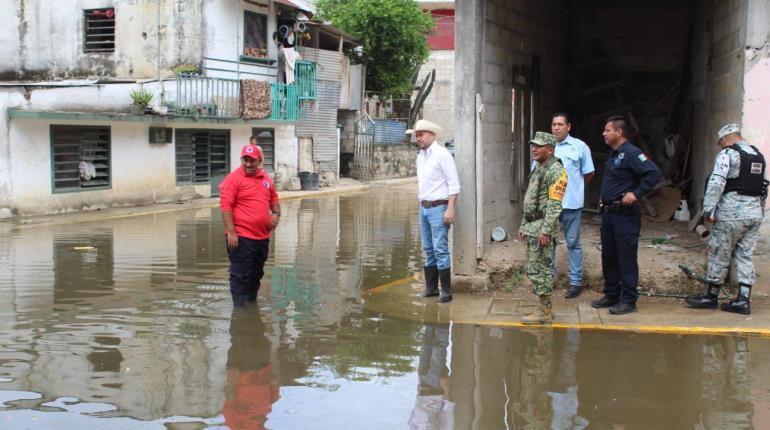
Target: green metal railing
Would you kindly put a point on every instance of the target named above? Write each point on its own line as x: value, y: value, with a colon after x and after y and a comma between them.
x: 201, y: 96
x: 304, y: 76
x: 285, y: 102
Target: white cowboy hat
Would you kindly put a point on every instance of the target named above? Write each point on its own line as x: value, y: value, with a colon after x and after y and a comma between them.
x: 424, y: 125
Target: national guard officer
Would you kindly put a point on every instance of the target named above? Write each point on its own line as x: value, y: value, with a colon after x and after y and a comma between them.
x: 628, y: 175
x: 734, y: 202
x: 540, y: 224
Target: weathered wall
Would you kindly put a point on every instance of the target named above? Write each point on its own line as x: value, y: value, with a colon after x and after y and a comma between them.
x: 440, y: 103
x: 286, y: 155
x: 141, y: 172
x: 511, y: 33
x: 717, y: 81
x: 393, y: 161
x: 756, y: 98
x: 223, y: 41
x: 45, y: 42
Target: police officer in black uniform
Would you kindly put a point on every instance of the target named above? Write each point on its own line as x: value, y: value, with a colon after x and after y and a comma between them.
x: 629, y: 174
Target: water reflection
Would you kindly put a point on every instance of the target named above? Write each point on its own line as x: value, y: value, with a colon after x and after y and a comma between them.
x: 132, y: 318
x: 252, y: 386
x: 434, y: 408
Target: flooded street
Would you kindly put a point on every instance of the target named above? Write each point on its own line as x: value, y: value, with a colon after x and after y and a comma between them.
x: 128, y: 323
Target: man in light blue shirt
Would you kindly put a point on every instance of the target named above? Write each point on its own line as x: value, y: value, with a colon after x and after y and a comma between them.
x: 576, y: 158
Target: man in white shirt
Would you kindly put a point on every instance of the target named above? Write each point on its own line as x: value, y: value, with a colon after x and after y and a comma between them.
x: 438, y: 188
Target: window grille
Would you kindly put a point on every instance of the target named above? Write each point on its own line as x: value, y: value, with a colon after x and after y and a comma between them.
x: 201, y: 155
x: 99, y: 30
x: 80, y: 157
x: 266, y: 141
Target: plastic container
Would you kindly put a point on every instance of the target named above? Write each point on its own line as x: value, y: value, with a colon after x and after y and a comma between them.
x: 499, y: 234
x: 308, y: 181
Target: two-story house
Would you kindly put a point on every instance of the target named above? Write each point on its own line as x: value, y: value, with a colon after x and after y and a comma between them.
x: 214, y: 72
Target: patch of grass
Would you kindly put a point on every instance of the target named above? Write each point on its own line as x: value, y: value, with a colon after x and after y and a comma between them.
x: 515, y: 279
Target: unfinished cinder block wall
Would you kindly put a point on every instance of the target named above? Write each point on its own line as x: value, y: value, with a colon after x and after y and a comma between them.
x: 502, y: 34
x: 721, y: 45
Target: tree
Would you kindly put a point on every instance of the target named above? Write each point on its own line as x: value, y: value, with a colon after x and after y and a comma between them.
x: 393, y: 33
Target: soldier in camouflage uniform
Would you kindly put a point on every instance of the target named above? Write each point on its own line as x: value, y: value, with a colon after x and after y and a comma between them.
x: 540, y: 225
x: 734, y: 202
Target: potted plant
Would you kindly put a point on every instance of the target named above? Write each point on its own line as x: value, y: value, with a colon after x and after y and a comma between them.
x: 140, y: 98
x: 186, y: 70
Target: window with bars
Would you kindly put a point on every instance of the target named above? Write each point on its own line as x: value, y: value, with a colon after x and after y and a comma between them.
x: 99, y: 25
x: 80, y: 157
x: 266, y: 141
x: 201, y: 155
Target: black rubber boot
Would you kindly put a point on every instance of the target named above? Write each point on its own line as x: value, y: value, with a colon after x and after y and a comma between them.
x: 445, y: 276
x: 431, y: 281
x: 239, y: 300
x: 740, y: 304
x: 707, y: 300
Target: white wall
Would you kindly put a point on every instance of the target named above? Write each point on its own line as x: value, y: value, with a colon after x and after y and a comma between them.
x: 44, y: 41
x: 223, y: 44
x: 439, y: 105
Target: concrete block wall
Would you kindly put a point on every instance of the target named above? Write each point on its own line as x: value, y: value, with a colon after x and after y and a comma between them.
x: 439, y: 105
x: 513, y: 32
x: 393, y: 161
x: 717, y: 80
x: 286, y: 156
x: 348, y: 133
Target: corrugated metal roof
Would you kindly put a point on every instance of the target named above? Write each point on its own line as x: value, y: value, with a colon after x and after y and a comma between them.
x: 328, y: 63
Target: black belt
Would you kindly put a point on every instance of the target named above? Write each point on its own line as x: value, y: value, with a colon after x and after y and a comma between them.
x: 427, y: 204
x: 617, y: 207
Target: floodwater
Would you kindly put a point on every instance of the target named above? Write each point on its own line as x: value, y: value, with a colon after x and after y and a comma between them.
x: 128, y: 323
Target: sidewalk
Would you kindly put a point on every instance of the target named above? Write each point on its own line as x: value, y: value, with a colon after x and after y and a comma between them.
x: 345, y: 186
x: 399, y: 299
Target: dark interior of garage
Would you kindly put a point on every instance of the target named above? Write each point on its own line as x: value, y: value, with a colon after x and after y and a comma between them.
x: 634, y: 59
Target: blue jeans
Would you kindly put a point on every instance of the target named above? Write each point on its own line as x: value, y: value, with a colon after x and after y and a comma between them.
x: 435, y: 237
x: 570, y: 223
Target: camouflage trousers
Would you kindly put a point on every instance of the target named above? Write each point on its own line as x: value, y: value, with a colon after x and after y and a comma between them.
x: 733, y: 239
x: 538, y: 266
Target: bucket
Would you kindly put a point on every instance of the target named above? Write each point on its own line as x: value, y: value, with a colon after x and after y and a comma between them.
x: 308, y: 181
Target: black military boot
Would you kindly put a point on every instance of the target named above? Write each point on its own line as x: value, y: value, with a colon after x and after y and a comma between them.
x: 707, y: 300
x: 742, y: 303
x: 445, y: 276
x: 431, y: 281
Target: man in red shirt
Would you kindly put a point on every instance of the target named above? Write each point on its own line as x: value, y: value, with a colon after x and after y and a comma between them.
x: 250, y: 210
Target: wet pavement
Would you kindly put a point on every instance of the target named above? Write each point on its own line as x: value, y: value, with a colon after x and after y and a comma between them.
x: 127, y: 323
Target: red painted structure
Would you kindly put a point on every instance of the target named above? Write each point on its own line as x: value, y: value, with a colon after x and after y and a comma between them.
x: 443, y: 37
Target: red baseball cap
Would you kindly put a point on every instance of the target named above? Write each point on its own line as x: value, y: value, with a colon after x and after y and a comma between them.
x: 253, y: 151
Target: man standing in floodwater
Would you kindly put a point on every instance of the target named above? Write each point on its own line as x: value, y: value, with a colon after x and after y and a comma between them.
x: 250, y: 210
x: 438, y: 188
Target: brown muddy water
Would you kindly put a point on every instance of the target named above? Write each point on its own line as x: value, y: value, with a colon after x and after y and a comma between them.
x: 128, y: 323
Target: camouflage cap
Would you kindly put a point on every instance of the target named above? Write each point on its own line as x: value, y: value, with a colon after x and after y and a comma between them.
x: 542, y: 139
x: 728, y: 129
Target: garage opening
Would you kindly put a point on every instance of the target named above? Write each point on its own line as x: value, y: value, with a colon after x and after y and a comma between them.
x: 661, y: 64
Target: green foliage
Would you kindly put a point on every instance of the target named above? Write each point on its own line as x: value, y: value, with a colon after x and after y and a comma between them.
x: 185, y: 68
x: 141, y: 97
x: 517, y: 277
x: 393, y: 33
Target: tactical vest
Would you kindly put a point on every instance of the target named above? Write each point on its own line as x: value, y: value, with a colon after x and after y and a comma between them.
x: 750, y: 180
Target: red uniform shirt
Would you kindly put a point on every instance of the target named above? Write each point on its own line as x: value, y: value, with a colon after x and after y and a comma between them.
x: 249, y: 198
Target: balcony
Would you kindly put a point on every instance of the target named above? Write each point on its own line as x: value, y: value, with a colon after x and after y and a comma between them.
x: 205, y: 97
